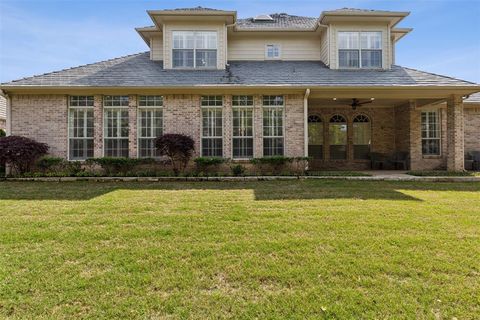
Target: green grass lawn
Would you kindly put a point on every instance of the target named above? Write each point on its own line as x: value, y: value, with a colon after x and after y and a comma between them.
x: 280, y: 249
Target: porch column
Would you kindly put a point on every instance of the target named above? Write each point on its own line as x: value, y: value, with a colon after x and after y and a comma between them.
x: 227, y: 126
x: 132, y: 126
x: 98, y: 126
x: 415, y: 136
x: 455, y: 134
x: 257, y: 126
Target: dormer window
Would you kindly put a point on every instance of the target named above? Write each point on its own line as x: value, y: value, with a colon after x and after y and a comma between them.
x: 272, y: 51
x: 360, y: 49
x: 194, y: 49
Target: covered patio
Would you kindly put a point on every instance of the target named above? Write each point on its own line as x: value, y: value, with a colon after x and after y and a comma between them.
x: 385, y: 128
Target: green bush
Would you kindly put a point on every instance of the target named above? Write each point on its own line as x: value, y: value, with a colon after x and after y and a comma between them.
x: 208, y: 165
x: 238, y: 170
x: 48, y: 163
x: 3, y: 133
x: 272, y: 165
x: 119, y: 166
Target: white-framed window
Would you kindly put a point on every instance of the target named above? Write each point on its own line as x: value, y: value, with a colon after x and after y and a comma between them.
x: 194, y: 49
x: 272, y: 51
x: 150, y: 125
x: 212, y: 126
x: 80, y: 127
x: 115, y: 126
x: 362, y: 137
x: 273, y: 128
x: 360, y: 49
x: 431, y: 133
x: 337, y: 133
x: 242, y: 128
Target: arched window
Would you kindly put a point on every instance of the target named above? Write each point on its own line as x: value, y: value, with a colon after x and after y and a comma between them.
x: 337, y: 132
x: 362, y: 137
x: 315, y: 137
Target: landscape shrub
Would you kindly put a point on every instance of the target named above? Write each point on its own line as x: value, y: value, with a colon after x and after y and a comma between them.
x: 20, y: 152
x: 119, y: 166
x: 49, y: 164
x: 2, y: 133
x: 178, y: 148
x: 238, y: 170
x: 300, y: 165
x: 208, y: 165
x: 272, y: 165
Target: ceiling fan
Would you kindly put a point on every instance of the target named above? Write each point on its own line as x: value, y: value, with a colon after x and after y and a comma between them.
x: 357, y: 103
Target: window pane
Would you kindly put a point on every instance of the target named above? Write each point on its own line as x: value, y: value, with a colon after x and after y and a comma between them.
x: 272, y: 147
x: 348, y: 40
x: 183, y: 58
x: 338, y: 134
x: 371, y: 40
x: 212, y: 147
x: 315, y: 133
x: 371, y: 58
x: 273, y: 100
x: 206, y: 58
x: 242, y: 147
x: 430, y: 133
x: 242, y: 100
x: 348, y: 59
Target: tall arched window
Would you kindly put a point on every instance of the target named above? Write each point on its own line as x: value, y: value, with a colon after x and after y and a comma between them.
x: 337, y: 132
x: 362, y: 137
x: 315, y: 137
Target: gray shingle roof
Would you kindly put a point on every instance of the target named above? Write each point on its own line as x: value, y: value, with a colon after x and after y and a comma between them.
x: 474, y: 98
x: 280, y: 21
x: 199, y: 8
x: 138, y: 70
x: 3, y: 107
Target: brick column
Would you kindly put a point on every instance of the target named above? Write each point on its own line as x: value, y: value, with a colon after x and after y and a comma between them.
x: 415, y: 138
x: 294, y: 126
x: 257, y: 126
x: 455, y: 134
x: 227, y: 126
x: 132, y: 126
x: 98, y: 129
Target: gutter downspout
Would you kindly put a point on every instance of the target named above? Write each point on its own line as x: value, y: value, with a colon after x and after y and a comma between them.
x: 226, y: 40
x: 305, y: 122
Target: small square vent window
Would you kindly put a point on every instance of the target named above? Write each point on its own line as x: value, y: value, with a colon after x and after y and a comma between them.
x: 272, y: 51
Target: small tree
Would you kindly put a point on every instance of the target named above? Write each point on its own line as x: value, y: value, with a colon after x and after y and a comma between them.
x: 20, y: 152
x: 178, y: 148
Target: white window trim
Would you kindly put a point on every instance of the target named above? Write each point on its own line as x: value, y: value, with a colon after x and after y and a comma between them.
x: 283, y: 106
x: 103, y: 122
x: 139, y: 110
x: 194, y: 50
x: 207, y: 137
x: 253, y: 129
x: 439, y: 120
x: 68, y: 126
x: 279, y: 51
x: 360, y: 50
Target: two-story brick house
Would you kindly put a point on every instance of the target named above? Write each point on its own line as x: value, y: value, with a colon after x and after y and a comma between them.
x: 275, y: 84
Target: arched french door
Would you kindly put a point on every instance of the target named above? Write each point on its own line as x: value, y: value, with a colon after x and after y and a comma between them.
x: 315, y: 137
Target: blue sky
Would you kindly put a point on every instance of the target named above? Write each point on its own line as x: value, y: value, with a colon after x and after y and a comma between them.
x: 46, y: 35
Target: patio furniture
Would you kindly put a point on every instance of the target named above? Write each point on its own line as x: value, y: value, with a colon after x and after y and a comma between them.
x: 378, y: 160
x: 400, y: 158
x: 476, y: 159
x: 468, y: 161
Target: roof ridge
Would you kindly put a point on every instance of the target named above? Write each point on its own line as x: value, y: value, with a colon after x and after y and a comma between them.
x: 76, y: 67
x: 438, y: 75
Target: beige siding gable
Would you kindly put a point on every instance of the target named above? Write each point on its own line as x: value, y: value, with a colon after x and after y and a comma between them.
x: 156, y: 48
x: 252, y: 47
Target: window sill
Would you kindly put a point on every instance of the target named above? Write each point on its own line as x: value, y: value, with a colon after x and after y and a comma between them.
x: 432, y: 156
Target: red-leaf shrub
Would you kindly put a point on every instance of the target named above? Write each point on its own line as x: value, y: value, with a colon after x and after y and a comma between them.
x: 178, y: 148
x: 20, y: 152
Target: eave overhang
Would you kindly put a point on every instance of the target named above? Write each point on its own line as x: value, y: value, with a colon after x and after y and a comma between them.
x: 392, y: 18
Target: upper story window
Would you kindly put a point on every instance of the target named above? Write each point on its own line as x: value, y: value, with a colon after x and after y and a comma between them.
x: 194, y: 49
x: 360, y: 49
x: 272, y: 51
